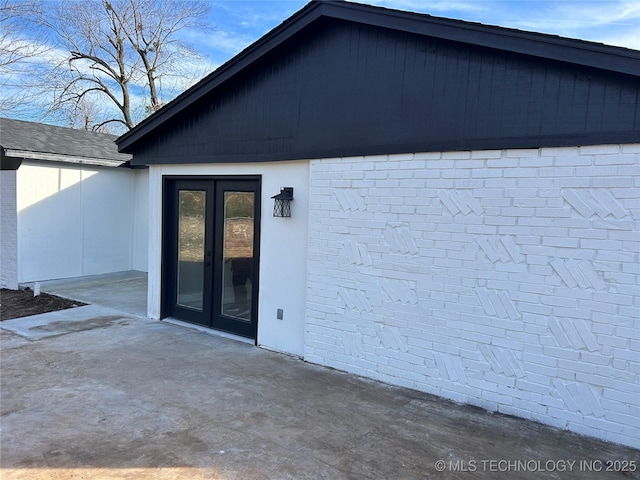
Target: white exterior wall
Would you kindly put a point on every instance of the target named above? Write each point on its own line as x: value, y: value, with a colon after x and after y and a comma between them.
x: 140, y: 219
x: 8, y: 231
x: 74, y: 220
x: 504, y: 279
x: 283, y: 250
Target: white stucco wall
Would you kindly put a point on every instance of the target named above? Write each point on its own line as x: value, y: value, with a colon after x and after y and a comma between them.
x: 74, y: 220
x: 505, y: 279
x: 283, y: 247
x: 8, y: 230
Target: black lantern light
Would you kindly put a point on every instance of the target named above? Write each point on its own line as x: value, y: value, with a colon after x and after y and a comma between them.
x: 282, y: 202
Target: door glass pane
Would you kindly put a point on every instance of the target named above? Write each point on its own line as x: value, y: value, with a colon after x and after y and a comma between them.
x: 191, y: 219
x: 237, y: 254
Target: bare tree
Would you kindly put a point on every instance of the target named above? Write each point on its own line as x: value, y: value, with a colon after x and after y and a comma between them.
x: 83, y: 115
x: 122, y: 53
x: 16, y: 50
x: 13, y: 49
x: 151, y: 31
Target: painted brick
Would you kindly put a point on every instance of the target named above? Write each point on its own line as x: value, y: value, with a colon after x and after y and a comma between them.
x: 613, y: 181
x: 621, y: 159
x: 498, y: 183
x: 559, y: 151
x: 565, y: 161
x: 520, y: 172
x: 631, y: 148
x: 8, y: 230
x: 501, y: 162
x: 456, y: 155
x: 502, y: 278
x: 595, y: 380
x: 535, y: 162
x: 572, y: 182
x: 555, y: 172
x: 599, y: 150
x: 486, y: 154
x: 522, y: 153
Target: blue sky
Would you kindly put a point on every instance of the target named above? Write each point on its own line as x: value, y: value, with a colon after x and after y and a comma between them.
x: 238, y: 23
x: 235, y: 24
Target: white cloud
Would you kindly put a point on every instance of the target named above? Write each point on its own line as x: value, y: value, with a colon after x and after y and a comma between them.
x: 615, y: 22
x: 629, y: 39
x: 423, y: 6
x: 229, y: 42
x: 604, y: 12
x: 42, y: 53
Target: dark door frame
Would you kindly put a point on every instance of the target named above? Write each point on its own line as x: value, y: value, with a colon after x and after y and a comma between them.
x: 168, y: 228
x: 170, y: 246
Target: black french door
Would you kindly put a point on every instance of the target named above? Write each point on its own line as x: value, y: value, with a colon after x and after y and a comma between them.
x: 211, y: 252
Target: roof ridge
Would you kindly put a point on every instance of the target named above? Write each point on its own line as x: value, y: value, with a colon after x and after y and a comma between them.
x: 50, y: 125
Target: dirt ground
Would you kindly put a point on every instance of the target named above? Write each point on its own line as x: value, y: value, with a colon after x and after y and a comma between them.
x: 22, y: 303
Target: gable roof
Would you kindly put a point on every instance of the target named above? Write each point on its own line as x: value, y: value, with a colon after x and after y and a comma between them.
x: 37, y: 141
x: 549, y: 47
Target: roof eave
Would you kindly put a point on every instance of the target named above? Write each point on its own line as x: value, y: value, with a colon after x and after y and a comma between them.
x: 55, y: 157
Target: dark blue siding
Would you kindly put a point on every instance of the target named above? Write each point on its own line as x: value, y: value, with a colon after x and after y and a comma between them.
x: 339, y: 88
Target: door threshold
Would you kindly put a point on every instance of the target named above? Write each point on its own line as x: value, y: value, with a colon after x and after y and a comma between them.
x: 210, y: 331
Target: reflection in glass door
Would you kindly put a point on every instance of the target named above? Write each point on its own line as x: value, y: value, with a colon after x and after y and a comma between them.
x: 191, y: 222
x: 237, y: 254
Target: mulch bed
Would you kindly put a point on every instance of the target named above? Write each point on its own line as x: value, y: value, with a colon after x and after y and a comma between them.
x: 22, y: 303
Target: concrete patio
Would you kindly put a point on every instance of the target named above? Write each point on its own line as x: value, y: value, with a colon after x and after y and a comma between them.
x: 94, y: 392
x: 123, y: 291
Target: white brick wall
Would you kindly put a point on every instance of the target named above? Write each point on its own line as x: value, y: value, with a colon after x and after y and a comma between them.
x: 505, y: 279
x: 8, y: 230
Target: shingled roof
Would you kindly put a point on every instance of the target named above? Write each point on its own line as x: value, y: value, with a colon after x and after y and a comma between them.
x: 21, y: 140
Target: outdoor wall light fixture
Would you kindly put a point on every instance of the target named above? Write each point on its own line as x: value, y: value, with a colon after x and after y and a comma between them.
x: 282, y: 202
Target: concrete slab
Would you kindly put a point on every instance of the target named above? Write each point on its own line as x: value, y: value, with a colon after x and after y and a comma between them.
x: 144, y: 399
x: 62, y: 322
x: 123, y: 291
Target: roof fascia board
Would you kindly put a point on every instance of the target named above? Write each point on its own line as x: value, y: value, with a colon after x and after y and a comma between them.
x: 52, y: 157
x: 541, y: 45
x: 548, y: 141
x: 7, y: 162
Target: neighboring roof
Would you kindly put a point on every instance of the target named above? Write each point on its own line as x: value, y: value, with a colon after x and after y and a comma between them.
x: 550, y: 47
x: 38, y: 141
